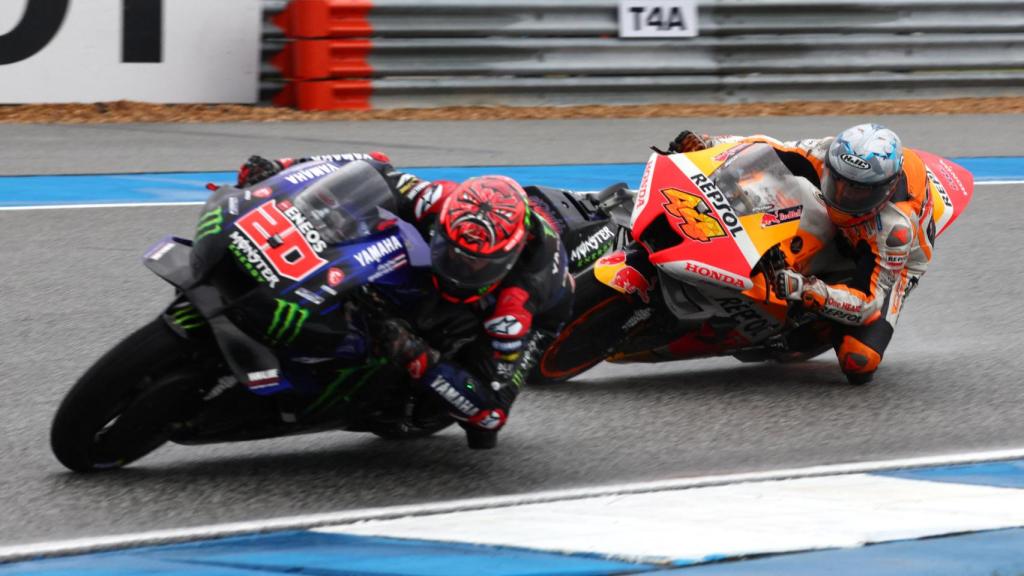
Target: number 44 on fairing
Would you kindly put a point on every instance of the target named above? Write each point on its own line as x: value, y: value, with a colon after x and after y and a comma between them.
x: 657, y: 18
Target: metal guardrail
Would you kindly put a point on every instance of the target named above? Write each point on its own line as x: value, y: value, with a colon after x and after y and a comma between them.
x: 615, y: 57
x: 455, y: 18
x: 523, y: 52
x: 273, y: 41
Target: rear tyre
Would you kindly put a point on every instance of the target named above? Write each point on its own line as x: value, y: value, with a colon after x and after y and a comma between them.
x: 599, y: 314
x: 120, y: 409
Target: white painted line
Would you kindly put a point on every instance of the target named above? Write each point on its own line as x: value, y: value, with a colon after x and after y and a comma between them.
x: 700, y: 524
x: 149, y: 204
x: 95, y: 544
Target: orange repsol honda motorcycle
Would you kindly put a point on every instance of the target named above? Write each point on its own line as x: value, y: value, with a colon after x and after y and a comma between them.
x: 695, y: 281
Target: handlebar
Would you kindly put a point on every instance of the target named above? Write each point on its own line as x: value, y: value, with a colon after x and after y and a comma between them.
x: 614, y: 195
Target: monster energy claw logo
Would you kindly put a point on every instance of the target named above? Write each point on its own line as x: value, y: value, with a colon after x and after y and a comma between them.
x: 187, y: 318
x: 209, y: 223
x: 288, y: 320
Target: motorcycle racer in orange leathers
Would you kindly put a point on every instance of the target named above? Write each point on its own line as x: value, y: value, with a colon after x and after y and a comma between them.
x: 875, y: 208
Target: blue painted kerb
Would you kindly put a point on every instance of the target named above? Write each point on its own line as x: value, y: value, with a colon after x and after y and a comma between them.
x: 323, y: 555
x: 190, y: 187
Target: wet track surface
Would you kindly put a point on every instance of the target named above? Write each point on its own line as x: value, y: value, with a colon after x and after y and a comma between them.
x: 72, y: 286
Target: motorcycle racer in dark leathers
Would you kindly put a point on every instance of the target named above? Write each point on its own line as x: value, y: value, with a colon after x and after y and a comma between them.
x: 876, y: 209
x: 500, y: 274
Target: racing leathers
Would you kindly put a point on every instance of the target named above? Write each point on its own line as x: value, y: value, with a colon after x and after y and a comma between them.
x: 491, y: 339
x: 890, y: 251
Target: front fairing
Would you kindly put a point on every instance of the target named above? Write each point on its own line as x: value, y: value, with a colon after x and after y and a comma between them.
x: 281, y: 280
x: 951, y: 187
x: 710, y: 216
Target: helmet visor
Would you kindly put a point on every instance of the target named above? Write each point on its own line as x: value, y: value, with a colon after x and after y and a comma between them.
x: 465, y: 270
x: 855, y: 198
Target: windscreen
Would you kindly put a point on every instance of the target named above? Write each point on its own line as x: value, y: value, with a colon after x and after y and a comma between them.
x: 344, y: 205
x: 755, y: 180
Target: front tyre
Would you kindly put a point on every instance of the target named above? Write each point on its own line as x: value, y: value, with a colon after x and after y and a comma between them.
x: 120, y: 409
x: 599, y: 316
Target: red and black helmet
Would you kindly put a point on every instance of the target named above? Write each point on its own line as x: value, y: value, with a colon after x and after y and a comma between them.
x: 479, y: 235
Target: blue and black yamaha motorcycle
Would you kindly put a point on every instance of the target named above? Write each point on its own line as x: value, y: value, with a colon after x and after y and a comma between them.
x: 272, y: 329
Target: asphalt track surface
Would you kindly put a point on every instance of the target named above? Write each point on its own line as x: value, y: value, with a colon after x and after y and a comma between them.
x: 72, y: 285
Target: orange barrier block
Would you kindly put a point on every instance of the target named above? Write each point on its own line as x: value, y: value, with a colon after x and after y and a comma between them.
x: 282, y: 61
x: 286, y: 97
x: 317, y: 59
x: 326, y: 19
x: 333, y: 94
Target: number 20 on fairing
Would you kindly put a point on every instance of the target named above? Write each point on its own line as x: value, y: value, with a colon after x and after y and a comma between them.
x: 280, y: 241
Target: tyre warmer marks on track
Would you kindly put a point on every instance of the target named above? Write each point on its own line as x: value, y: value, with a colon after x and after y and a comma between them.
x: 41, y: 191
x: 970, y: 517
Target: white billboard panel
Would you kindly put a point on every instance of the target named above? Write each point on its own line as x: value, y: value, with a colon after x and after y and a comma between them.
x: 170, y: 51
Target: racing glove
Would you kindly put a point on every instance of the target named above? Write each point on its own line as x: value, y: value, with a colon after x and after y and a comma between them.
x: 257, y: 168
x: 407, y: 349
x: 687, y: 141
x: 795, y: 287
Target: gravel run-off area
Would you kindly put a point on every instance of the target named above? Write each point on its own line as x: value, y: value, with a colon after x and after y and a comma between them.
x: 132, y: 112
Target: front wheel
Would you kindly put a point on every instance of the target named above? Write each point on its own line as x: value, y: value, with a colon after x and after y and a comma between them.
x: 599, y: 317
x: 121, y: 408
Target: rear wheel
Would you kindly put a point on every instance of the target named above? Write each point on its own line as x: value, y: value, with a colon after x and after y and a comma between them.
x: 599, y: 316
x: 121, y: 408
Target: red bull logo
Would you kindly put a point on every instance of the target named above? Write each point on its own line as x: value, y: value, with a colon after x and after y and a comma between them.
x: 781, y: 216
x: 613, y: 271
x: 631, y: 281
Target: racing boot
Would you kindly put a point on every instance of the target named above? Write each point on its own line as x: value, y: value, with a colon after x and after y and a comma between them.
x: 482, y: 429
x: 858, y: 360
x: 859, y: 378
x: 478, y: 438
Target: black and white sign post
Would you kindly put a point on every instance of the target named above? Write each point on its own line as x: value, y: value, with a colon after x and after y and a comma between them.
x: 657, y: 18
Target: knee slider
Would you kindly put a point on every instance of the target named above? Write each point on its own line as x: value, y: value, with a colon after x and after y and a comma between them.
x: 855, y: 357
